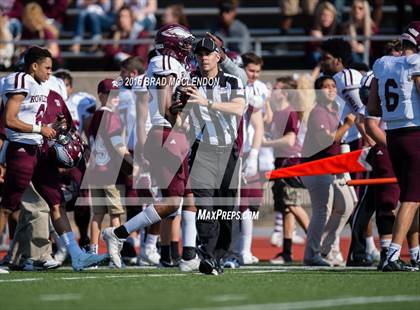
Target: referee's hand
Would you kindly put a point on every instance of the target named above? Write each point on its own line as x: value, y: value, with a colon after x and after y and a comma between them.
x: 196, y: 97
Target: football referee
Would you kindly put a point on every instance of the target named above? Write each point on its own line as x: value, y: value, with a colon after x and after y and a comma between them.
x: 217, y: 104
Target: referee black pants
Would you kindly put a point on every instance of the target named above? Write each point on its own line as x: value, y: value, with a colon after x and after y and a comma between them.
x: 214, y: 180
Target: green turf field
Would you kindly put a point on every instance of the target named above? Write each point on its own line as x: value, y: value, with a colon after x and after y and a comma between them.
x: 261, y: 288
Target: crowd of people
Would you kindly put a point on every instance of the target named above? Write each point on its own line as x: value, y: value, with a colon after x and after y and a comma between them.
x: 180, y: 142
x: 137, y: 19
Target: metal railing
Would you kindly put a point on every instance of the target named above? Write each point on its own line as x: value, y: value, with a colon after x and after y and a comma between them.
x: 257, y: 42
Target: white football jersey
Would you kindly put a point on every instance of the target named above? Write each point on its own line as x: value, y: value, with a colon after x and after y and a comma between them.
x: 127, y: 112
x: 256, y: 96
x: 81, y: 106
x: 400, y: 99
x: 32, y: 108
x: 162, y: 65
x: 138, y: 88
x: 57, y: 85
x: 348, y: 84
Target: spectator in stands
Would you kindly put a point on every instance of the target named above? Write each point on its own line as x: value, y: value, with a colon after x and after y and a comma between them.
x: 359, y: 23
x: 36, y: 27
x: 144, y: 14
x: 377, y: 11
x: 6, y: 49
x: 229, y: 27
x: 174, y: 14
x: 290, y: 9
x: 325, y: 24
x: 125, y: 30
x: 99, y: 15
x: 13, y: 23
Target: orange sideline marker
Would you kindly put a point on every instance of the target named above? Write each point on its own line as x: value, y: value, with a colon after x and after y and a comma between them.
x: 372, y: 181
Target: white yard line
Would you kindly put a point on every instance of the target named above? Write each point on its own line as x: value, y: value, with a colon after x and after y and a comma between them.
x: 60, y: 297
x: 228, y: 297
x: 20, y: 280
x: 121, y: 276
x: 316, y: 304
x: 262, y: 271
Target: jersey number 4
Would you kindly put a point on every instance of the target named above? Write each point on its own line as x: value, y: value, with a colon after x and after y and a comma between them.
x: 391, y: 99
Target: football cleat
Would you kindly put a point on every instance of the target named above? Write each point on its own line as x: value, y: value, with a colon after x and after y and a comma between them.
x: 277, y: 239
x: 31, y: 265
x: 359, y: 262
x: 382, y: 260
x: 128, y: 253
x: 114, y: 246
x: 232, y: 263
x: 85, y: 260
x: 210, y: 267
x: 149, y: 256
x: 317, y: 261
x: 336, y: 260
x: 248, y: 259
x: 375, y: 256
x: 415, y: 264
x: 2, y: 270
x: 397, y: 265
x: 282, y: 259
x: 61, y: 255
x: 189, y: 265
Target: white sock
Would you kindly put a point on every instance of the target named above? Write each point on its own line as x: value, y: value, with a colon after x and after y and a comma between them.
x: 94, y: 248
x: 278, y: 224
x: 393, y: 252
x: 147, y: 217
x: 414, y: 253
x: 151, y: 240
x: 370, y: 245
x: 385, y: 243
x: 70, y: 242
x: 246, y: 233
x: 189, y: 231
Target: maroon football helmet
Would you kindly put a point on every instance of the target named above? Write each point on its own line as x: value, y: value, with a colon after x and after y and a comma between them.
x: 235, y: 57
x: 174, y: 40
x: 412, y: 33
x: 67, y: 149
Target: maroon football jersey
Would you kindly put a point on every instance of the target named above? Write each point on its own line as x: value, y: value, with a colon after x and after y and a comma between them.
x: 104, y: 132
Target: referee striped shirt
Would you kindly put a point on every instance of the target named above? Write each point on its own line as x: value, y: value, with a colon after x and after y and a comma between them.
x: 214, y: 127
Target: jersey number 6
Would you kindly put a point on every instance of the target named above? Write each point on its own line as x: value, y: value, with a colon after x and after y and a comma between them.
x: 391, y: 99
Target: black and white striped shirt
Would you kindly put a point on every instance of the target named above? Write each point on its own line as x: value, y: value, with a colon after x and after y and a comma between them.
x: 214, y: 127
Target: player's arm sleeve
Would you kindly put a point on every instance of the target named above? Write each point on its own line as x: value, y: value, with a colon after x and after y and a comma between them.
x: 228, y: 66
x: 352, y: 97
x: 16, y: 84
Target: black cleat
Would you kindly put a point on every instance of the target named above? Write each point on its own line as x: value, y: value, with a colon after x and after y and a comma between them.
x: 415, y: 264
x: 166, y: 264
x: 397, y: 265
x: 210, y: 267
x: 362, y: 262
x: 382, y: 261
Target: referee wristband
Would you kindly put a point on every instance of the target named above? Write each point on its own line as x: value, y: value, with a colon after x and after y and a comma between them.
x: 36, y: 128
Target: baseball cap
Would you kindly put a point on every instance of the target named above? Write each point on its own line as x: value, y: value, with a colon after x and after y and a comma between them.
x: 105, y: 86
x: 207, y: 44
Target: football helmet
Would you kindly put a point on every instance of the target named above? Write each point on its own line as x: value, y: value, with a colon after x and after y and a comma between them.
x: 67, y: 149
x: 174, y: 40
x: 235, y: 57
x: 412, y: 33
